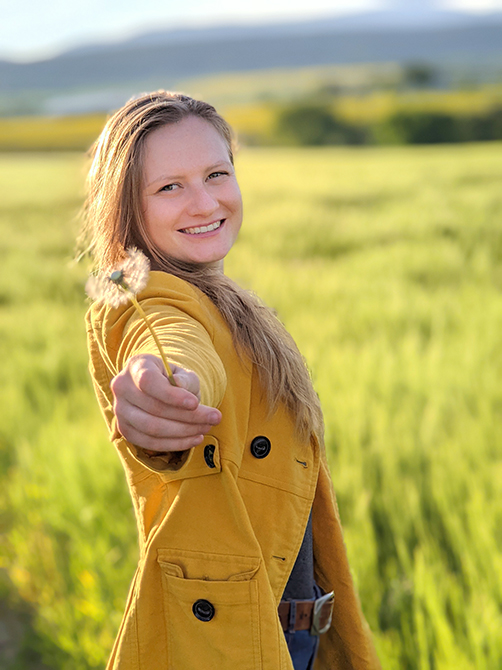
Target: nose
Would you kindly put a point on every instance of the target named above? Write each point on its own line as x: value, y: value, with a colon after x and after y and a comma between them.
x: 201, y: 202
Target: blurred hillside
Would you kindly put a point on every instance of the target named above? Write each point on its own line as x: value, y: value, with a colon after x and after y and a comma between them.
x: 100, y: 77
x: 335, y: 105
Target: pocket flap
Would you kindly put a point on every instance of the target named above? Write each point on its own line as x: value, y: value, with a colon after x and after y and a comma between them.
x: 207, y: 566
x: 172, y: 569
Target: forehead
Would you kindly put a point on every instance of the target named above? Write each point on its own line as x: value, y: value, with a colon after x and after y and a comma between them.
x: 182, y: 147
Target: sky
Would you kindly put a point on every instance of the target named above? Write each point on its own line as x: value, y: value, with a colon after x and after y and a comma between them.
x: 32, y: 29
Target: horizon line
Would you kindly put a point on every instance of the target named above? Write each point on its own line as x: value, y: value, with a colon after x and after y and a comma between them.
x: 26, y: 56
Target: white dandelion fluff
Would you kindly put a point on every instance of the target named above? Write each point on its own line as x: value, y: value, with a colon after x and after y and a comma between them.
x: 115, y: 286
x: 119, y: 286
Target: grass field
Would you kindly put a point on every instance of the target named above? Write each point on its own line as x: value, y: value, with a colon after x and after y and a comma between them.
x: 386, y: 266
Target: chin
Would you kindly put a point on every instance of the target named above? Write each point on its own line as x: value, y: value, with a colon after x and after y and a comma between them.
x: 208, y: 257
x: 208, y: 260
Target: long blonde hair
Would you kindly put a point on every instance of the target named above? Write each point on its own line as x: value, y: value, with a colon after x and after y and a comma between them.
x: 113, y: 222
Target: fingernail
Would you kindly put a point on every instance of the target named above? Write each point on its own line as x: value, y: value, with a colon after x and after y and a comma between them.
x: 214, y: 417
x: 198, y: 440
x: 190, y: 403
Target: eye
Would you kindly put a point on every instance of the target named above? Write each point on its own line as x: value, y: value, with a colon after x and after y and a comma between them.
x: 169, y: 187
x: 220, y: 173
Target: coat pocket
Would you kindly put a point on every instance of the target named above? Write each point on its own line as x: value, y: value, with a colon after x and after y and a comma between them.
x: 211, y: 623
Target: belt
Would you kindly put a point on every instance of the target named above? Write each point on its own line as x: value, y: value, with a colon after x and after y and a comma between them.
x: 313, y: 615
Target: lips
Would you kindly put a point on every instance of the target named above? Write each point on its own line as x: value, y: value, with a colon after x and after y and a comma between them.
x: 200, y: 230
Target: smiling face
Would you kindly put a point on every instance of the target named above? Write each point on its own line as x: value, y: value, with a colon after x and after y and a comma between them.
x: 191, y: 201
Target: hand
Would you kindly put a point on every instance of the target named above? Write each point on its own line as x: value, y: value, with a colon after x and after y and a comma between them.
x: 156, y: 416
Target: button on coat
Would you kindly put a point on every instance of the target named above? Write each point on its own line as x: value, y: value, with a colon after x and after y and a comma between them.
x: 203, y: 610
x: 260, y: 447
x: 209, y: 455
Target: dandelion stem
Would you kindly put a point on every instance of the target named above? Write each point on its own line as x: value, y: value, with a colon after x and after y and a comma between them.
x: 154, y: 335
x: 129, y: 279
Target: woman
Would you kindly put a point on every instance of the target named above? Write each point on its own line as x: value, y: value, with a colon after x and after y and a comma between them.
x: 240, y: 539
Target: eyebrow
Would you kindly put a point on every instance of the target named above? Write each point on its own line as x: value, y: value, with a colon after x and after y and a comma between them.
x: 168, y: 178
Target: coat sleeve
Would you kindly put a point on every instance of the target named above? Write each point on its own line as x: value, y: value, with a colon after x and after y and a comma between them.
x: 185, y: 342
x: 185, y: 332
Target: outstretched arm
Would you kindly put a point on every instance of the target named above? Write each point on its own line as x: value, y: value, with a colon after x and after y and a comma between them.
x: 153, y: 414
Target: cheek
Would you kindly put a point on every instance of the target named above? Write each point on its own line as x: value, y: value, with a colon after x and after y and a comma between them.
x: 158, y: 216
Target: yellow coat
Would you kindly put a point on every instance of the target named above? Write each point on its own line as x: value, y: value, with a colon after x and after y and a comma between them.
x: 217, y: 523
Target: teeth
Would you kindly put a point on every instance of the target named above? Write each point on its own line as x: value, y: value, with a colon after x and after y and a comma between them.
x: 202, y: 229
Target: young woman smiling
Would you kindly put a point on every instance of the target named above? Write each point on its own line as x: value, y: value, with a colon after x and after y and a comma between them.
x: 241, y: 547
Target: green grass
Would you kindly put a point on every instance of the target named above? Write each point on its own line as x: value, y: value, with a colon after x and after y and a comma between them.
x: 385, y: 264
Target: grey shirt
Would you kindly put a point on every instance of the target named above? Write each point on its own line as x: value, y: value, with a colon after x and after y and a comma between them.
x: 300, y: 584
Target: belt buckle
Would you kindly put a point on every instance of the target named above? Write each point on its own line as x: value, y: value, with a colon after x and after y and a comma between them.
x: 326, y: 599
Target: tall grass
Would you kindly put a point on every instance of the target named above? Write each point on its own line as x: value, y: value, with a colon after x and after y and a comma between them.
x: 385, y: 264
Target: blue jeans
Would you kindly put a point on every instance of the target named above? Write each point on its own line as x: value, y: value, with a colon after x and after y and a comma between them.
x: 302, y: 645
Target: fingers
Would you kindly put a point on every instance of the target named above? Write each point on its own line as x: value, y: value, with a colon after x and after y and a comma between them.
x: 159, y: 444
x: 158, y: 427
x: 146, y: 374
x: 152, y: 381
x: 153, y: 414
x: 127, y: 393
x: 158, y: 434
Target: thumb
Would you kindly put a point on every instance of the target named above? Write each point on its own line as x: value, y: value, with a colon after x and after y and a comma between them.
x: 187, y: 380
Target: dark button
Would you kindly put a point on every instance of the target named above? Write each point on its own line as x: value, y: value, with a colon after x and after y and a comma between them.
x: 209, y: 450
x: 203, y: 610
x: 260, y: 446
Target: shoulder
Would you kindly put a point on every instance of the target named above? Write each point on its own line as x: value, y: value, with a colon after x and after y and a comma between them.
x: 167, y: 286
x: 163, y: 291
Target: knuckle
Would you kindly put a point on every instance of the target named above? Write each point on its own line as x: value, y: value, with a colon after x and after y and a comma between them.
x: 143, y: 379
x: 193, y: 377
x: 116, y: 384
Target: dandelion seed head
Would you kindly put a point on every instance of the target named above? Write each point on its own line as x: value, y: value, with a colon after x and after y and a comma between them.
x: 117, y: 277
x: 108, y: 287
x: 135, y: 269
x: 102, y: 289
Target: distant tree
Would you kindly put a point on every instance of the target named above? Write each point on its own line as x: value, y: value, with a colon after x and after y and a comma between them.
x: 482, y: 128
x: 419, y: 128
x: 311, y: 125
x: 493, y: 121
x: 497, y: 123
x: 419, y: 75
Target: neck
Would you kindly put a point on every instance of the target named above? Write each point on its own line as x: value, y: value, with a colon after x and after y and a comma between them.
x: 217, y: 265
